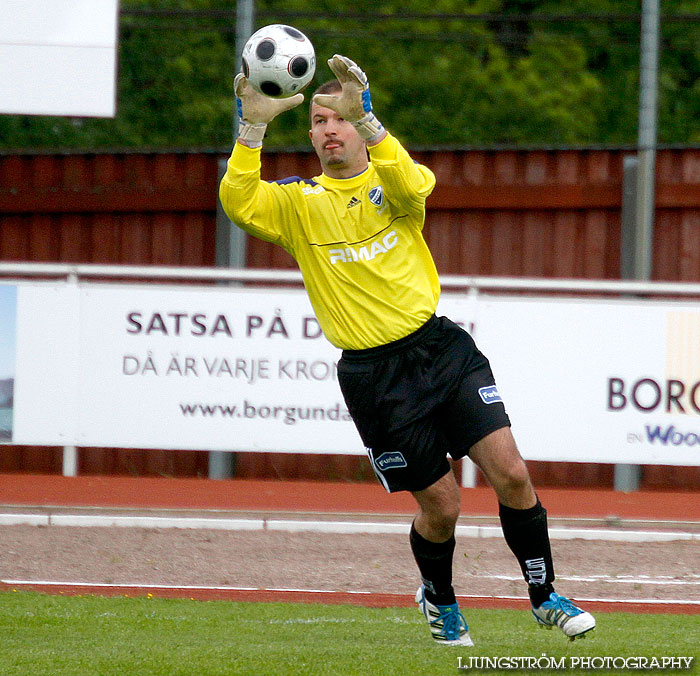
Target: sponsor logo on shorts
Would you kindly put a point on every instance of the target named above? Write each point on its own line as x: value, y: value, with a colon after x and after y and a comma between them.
x: 390, y: 460
x: 489, y: 395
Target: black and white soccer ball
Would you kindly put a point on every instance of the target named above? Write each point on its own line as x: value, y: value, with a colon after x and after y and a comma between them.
x: 279, y: 61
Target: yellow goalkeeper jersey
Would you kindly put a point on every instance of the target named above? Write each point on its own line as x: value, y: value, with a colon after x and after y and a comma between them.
x: 358, y: 241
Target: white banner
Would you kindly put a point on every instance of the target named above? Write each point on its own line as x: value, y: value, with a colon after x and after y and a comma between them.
x: 213, y: 368
x: 597, y: 381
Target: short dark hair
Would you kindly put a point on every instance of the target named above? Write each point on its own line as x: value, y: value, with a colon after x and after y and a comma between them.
x: 328, y: 87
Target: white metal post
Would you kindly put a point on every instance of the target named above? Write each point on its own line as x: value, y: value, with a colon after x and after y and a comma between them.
x: 70, y: 461
x: 468, y: 473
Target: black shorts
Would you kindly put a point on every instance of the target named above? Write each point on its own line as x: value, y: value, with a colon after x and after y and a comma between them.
x: 418, y: 399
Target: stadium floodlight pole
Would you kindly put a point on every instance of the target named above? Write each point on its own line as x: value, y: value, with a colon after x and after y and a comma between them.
x: 231, y: 241
x: 245, y: 20
x: 639, y: 261
x: 646, y: 139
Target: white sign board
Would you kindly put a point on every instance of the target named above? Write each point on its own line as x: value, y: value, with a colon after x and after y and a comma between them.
x: 58, y: 58
x: 181, y: 368
x: 214, y: 368
x: 597, y: 381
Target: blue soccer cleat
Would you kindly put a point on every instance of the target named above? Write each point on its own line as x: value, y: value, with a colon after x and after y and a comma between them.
x: 447, y: 624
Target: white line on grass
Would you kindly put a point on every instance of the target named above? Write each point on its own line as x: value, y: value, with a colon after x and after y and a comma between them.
x: 144, y: 586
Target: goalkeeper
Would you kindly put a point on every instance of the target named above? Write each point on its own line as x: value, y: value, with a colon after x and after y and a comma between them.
x: 416, y: 385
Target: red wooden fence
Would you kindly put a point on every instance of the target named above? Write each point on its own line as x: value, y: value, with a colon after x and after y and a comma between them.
x: 533, y: 213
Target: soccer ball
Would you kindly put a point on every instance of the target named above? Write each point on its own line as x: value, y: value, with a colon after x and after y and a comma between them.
x: 279, y: 61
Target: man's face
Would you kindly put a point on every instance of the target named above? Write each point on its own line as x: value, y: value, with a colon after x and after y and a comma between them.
x: 339, y: 147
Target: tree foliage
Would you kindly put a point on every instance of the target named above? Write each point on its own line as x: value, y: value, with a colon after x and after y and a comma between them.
x: 511, y: 74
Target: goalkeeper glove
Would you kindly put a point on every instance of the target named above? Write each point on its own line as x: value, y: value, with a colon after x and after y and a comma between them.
x: 353, y: 103
x: 256, y: 110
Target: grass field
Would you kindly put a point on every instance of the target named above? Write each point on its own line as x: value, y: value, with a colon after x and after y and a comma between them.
x: 43, y: 635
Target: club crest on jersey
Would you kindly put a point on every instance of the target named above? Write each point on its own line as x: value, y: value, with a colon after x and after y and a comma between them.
x: 376, y: 196
x: 489, y: 395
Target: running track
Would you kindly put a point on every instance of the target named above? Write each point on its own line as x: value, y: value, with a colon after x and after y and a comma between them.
x: 316, y: 497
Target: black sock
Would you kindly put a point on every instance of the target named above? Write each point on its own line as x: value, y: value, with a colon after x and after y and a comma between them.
x: 434, y: 561
x: 525, y: 532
